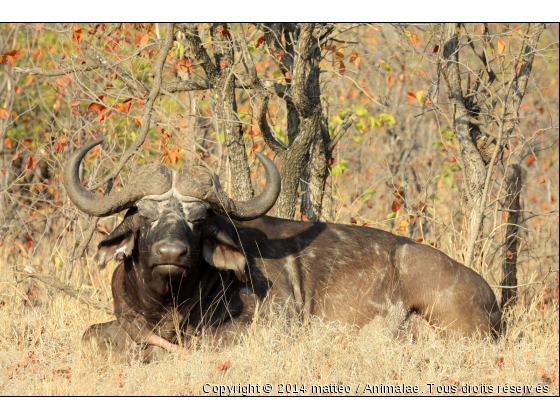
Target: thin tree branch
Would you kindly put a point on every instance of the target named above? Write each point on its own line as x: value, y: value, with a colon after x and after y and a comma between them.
x: 53, y: 281
x: 154, y: 93
x: 347, y: 122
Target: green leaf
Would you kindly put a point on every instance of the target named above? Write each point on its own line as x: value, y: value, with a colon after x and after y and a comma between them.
x: 449, y: 134
x: 361, y: 111
x: 370, y: 191
x: 392, y: 215
x: 374, y: 122
x: 222, y: 137
x: 358, y: 139
x: 385, y: 66
x: 361, y: 125
x: 337, y: 120
x: 339, y: 168
x: 454, y: 187
x: 277, y: 73
x: 389, y: 119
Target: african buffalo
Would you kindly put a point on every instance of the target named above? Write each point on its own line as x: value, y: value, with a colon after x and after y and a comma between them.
x: 186, y: 267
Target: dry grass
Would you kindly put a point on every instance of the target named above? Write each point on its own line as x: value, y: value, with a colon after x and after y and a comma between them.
x: 41, y: 354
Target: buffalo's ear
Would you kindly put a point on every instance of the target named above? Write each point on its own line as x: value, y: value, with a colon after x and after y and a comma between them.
x: 221, y: 252
x: 120, y: 243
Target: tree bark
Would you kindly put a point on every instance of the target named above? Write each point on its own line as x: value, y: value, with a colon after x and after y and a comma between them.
x: 223, y: 82
x: 509, y: 267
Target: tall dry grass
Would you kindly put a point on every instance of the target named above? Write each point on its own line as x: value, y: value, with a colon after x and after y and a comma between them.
x: 41, y: 354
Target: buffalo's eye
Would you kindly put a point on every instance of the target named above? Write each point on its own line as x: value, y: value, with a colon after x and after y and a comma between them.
x: 146, y: 218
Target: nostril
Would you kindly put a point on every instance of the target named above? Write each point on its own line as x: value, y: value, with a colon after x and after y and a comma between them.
x: 171, y: 251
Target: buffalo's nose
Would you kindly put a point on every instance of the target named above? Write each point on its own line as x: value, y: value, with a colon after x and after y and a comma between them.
x: 171, y: 252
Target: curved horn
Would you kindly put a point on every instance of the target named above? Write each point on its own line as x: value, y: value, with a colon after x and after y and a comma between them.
x: 150, y: 180
x: 199, y: 182
x: 258, y: 206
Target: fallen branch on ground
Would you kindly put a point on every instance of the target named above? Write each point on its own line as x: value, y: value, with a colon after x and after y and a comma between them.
x: 53, y: 281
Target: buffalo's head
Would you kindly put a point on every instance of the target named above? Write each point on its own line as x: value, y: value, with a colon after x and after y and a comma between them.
x: 170, y: 224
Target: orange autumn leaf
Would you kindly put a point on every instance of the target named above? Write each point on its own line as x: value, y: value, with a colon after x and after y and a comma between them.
x: 77, y: 35
x: 223, y: 64
x: 304, y: 218
x: 29, y: 80
x: 342, y: 68
x: 30, y: 164
x: 414, y: 40
x: 509, y: 254
x: 75, y: 112
x: 29, y: 244
x: 74, y: 103
x: 538, y: 222
x: 17, y: 90
x: 140, y: 39
x: 259, y: 42
x: 395, y: 206
x: 8, y: 143
x: 530, y: 160
x: 353, y: 221
x: 224, y: 366
x: 353, y: 57
x: 501, y: 46
x: 123, y: 107
x: 27, y: 142
x: 4, y: 113
x: 542, y: 180
x: 17, y: 154
x: 410, y: 97
x: 9, y: 57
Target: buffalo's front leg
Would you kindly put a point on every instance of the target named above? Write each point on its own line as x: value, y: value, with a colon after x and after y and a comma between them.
x: 111, y: 339
x: 149, y: 339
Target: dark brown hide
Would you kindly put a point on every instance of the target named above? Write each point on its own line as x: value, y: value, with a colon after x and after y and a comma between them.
x: 335, y: 272
x: 353, y: 274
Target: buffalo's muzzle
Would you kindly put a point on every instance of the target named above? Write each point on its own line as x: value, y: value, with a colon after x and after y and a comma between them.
x: 170, y: 253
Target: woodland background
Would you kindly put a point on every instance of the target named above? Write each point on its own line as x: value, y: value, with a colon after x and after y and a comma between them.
x: 447, y: 134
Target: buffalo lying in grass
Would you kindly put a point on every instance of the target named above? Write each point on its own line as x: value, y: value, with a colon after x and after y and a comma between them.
x: 191, y: 256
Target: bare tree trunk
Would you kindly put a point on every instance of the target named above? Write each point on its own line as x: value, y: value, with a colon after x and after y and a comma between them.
x: 223, y: 80
x: 477, y: 154
x: 513, y: 204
